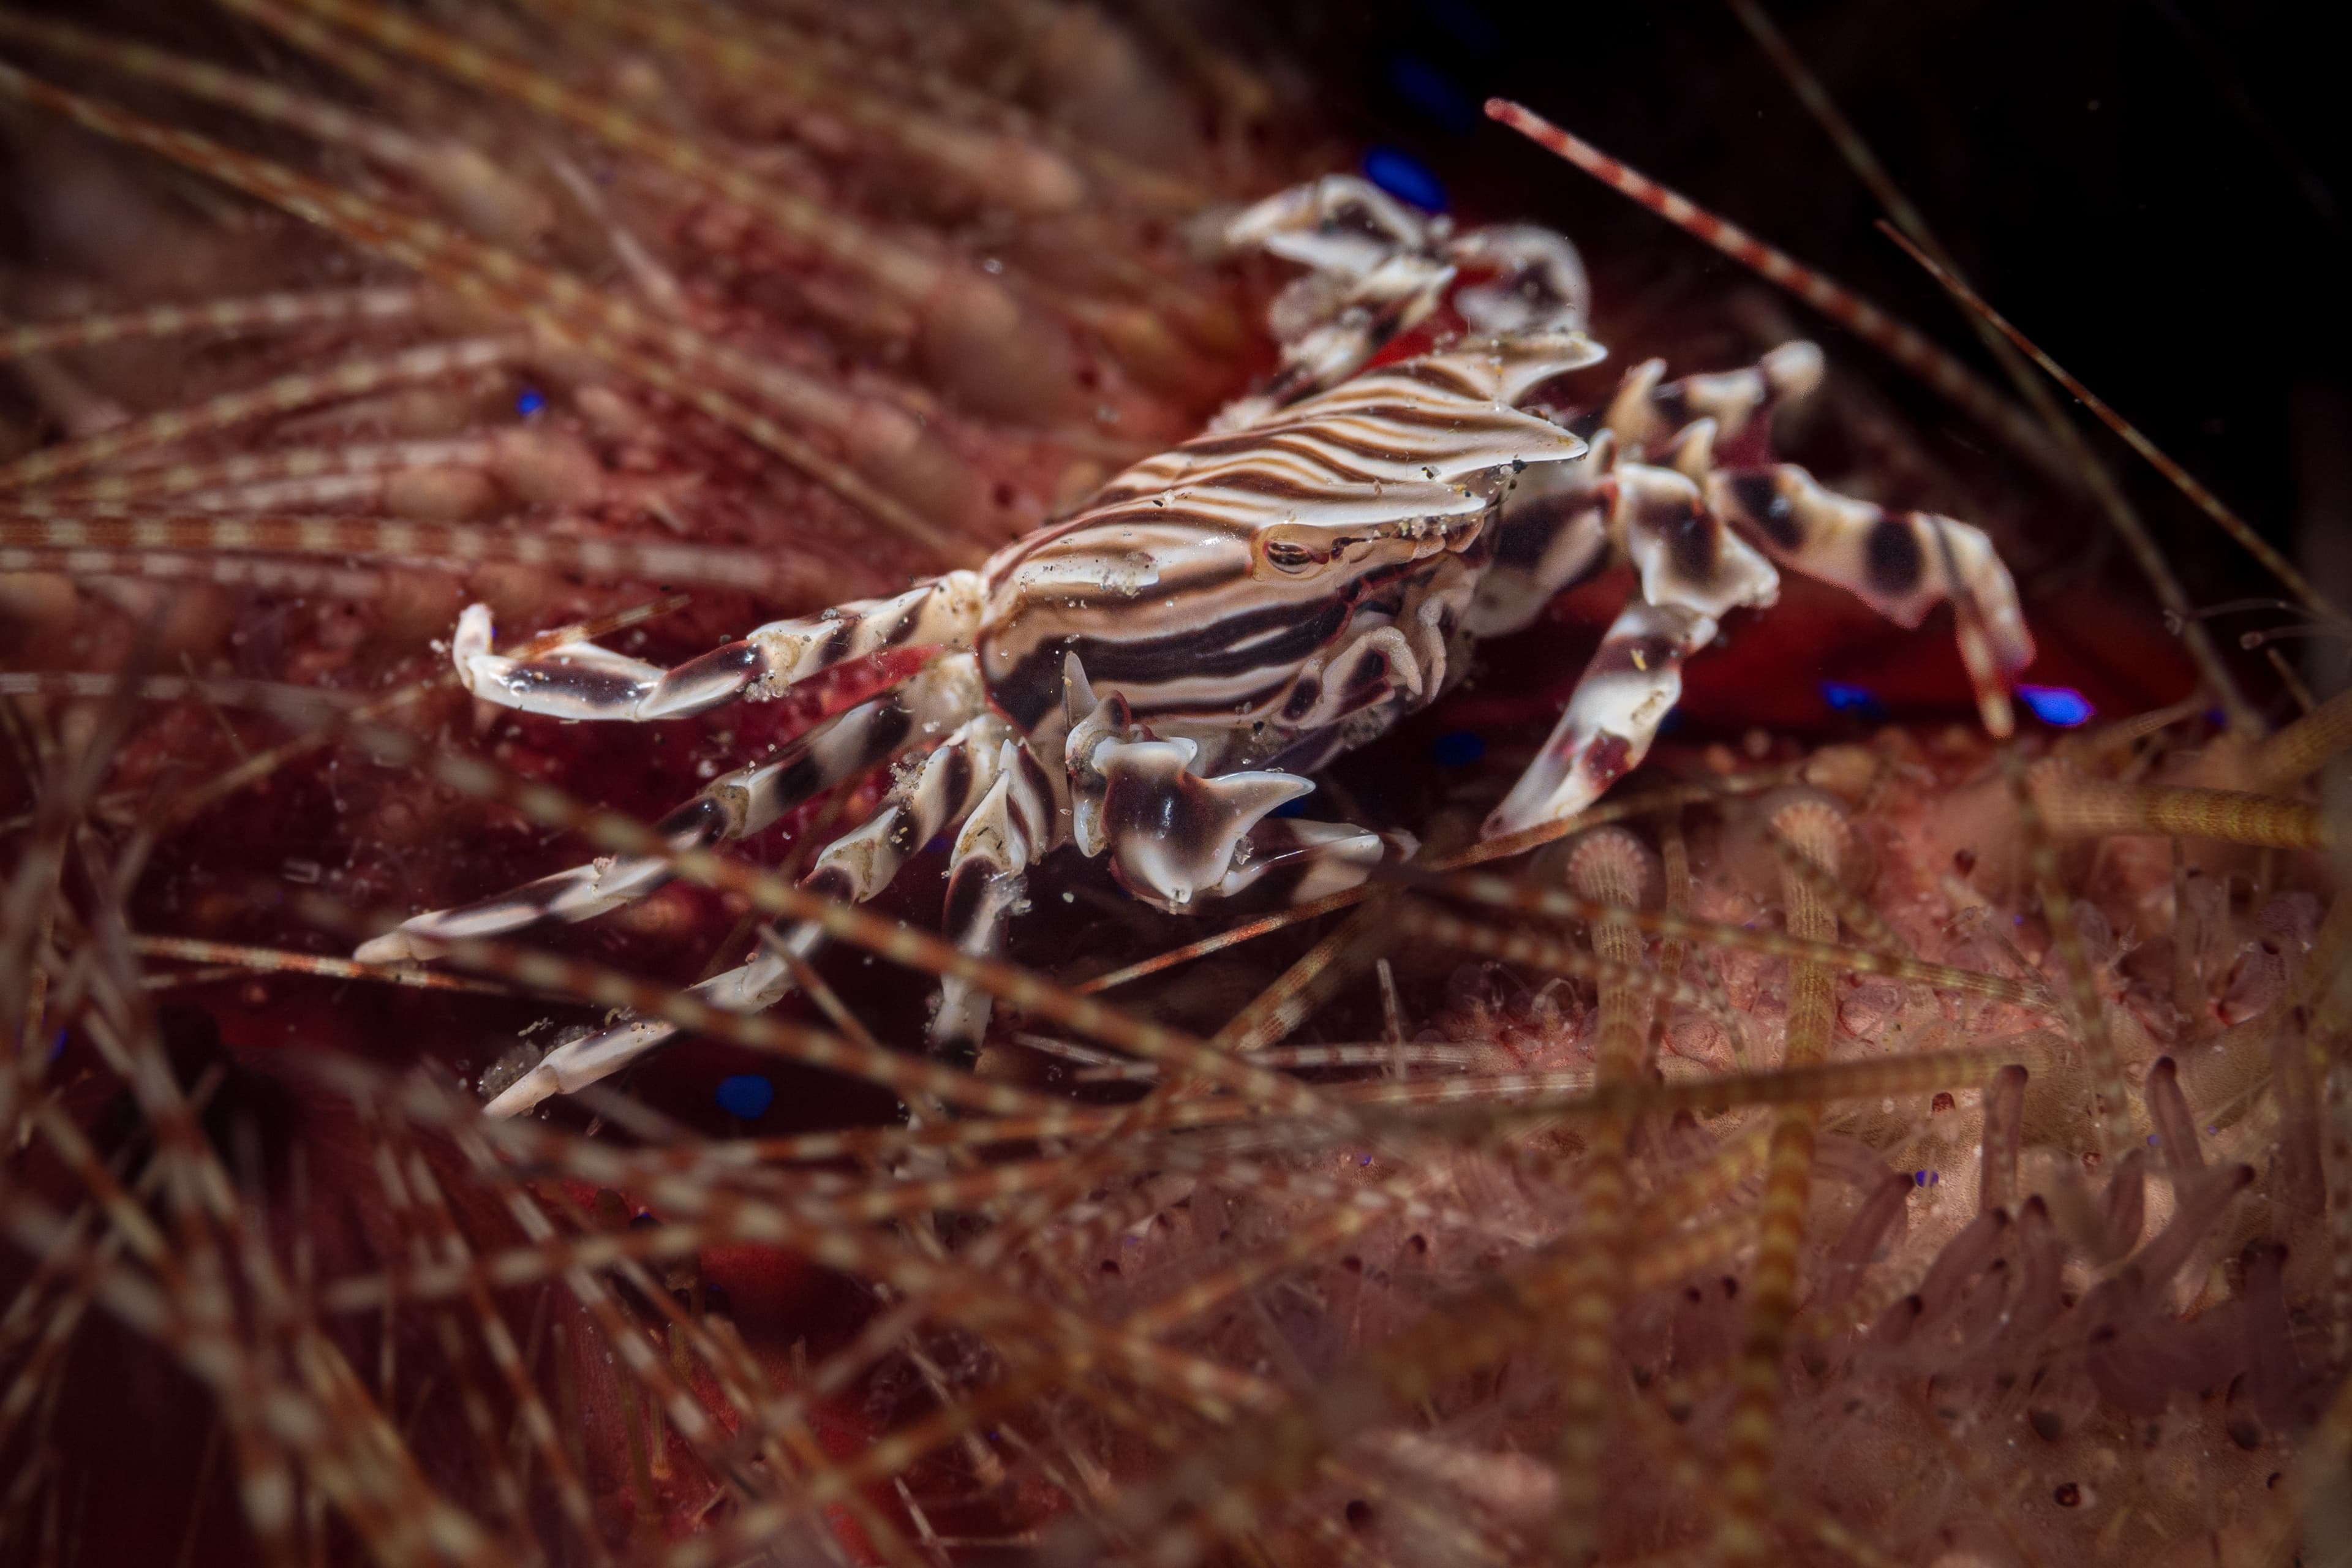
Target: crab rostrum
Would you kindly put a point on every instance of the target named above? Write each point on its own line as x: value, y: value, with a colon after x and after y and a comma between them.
x: 1149, y: 681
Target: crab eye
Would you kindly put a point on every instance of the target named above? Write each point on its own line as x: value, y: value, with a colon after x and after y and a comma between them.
x: 1289, y: 556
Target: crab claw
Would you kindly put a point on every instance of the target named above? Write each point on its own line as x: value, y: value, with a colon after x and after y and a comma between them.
x: 1172, y: 833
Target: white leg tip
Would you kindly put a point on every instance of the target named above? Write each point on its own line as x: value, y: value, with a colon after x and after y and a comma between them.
x: 473, y: 635
x: 523, y: 1094
x: 397, y: 947
x: 470, y: 646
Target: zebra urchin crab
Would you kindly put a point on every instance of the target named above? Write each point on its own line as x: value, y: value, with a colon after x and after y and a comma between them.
x: 1152, y: 679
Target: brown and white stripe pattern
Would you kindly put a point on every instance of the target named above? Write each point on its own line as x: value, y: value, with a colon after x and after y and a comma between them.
x: 1200, y: 583
x: 1377, y: 270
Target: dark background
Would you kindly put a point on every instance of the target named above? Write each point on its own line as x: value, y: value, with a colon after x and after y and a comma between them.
x: 2149, y: 187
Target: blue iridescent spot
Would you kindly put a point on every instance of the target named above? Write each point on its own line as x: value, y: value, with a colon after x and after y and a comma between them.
x: 746, y: 1095
x: 1457, y: 748
x: 1290, y: 809
x: 2061, y: 706
x: 1405, y: 177
x: 1858, y: 700
x: 530, y: 401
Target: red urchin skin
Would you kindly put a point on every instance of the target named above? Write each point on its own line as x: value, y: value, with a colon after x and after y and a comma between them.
x: 386, y: 843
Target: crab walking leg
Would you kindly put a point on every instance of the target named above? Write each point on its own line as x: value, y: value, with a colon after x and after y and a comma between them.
x: 742, y: 803
x: 1013, y: 824
x: 583, y: 680
x: 1371, y: 276
x: 980, y: 903
x: 1538, y: 283
x: 952, y: 785
x: 1893, y: 562
x: 1693, y: 571
x: 942, y: 791
x: 1551, y: 532
x: 1632, y: 683
x: 1363, y: 316
x: 575, y: 1064
x: 1376, y: 271
x: 1648, y: 412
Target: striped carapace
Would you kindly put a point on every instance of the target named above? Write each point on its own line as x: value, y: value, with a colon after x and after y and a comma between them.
x: 1152, y: 678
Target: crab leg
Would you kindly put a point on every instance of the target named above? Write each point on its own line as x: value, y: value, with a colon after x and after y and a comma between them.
x: 1648, y: 413
x: 943, y: 790
x: 989, y: 780
x: 1012, y: 825
x: 1556, y: 523
x: 1308, y: 860
x: 1694, y: 571
x: 1632, y: 683
x: 1551, y: 533
x: 1374, y: 275
x: 1539, y: 284
x: 575, y: 1064
x: 581, y: 680
x: 735, y: 806
x: 1356, y: 321
x: 1900, y: 563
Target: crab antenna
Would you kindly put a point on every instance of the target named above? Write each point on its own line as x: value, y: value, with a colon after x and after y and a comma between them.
x: 2207, y: 502
x: 1902, y: 344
